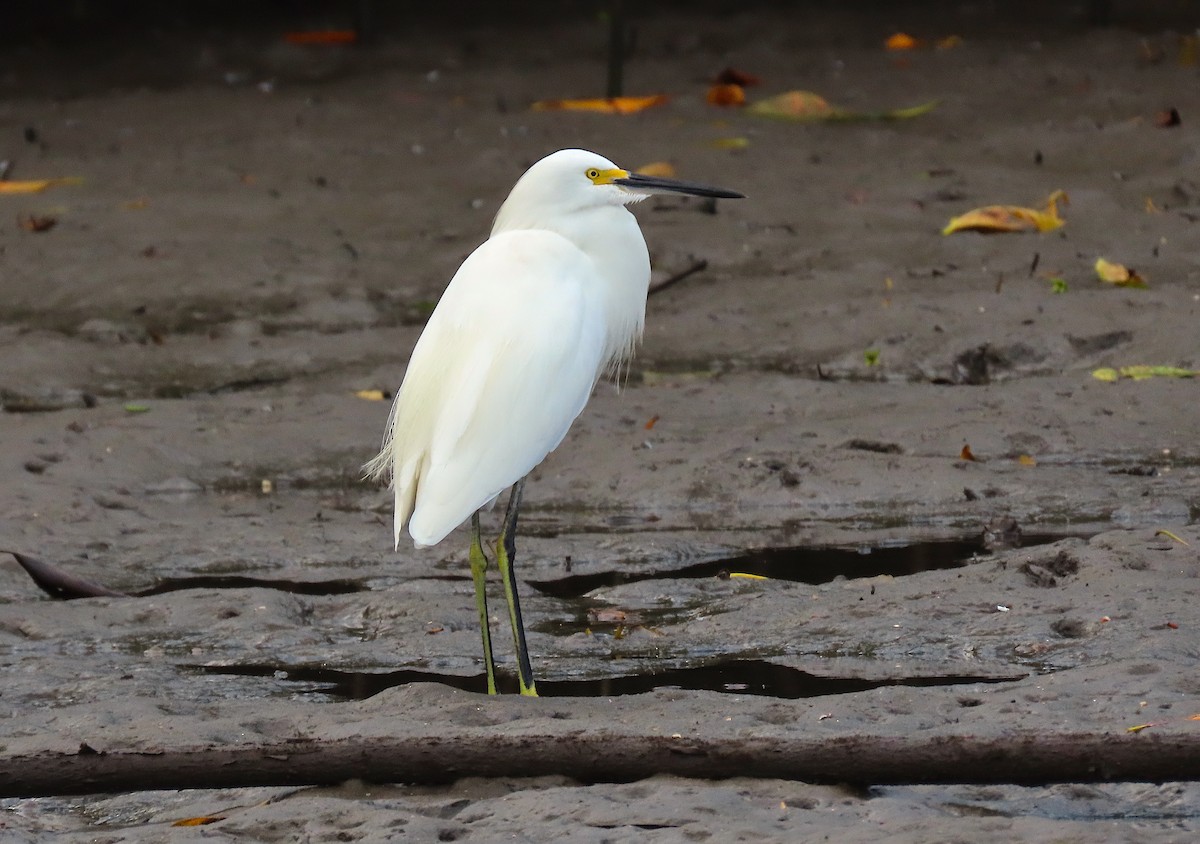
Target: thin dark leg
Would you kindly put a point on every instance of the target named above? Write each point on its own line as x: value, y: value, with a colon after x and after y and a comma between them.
x: 506, y: 553
x: 479, y: 565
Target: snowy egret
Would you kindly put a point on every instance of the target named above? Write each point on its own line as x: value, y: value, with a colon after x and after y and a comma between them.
x: 532, y: 319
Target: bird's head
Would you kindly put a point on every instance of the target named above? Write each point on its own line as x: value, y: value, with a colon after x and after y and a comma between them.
x: 573, y: 180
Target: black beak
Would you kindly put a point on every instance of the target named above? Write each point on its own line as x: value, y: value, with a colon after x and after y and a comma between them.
x: 653, y: 184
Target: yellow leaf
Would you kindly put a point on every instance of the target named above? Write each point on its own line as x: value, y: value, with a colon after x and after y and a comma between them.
x: 746, y: 575
x: 1138, y: 728
x: 803, y: 106
x: 35, y: 185
x: 1026, y: 460
x: 731, y: 143
x: 1118, y: 274
x: 604, y: 105
x: 662, y: 169
x: 1010, y: 218
x: 1141, y: 372
x: 370, y: 395
x: 1168, y: 534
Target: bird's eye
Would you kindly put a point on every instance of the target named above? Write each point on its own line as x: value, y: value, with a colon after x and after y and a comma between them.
x: 593, y: 174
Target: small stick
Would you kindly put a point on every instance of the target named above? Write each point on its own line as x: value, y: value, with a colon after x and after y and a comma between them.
x: 702, y: 264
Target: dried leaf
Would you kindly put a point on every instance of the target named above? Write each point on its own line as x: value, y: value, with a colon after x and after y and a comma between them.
x: 36, y: 185
x: 651, y: 422
x: 1010, y: 218
x: 731, y: 143
x: 803, y: 106
x: 1118, y: 274
x: 733, y: 76
x: 203, y: 820
x: 37, y: 224
x: 726, y: 95
x: 322, y: 36
x: 1026, y: 460
x: 966, y: 453
x: 901, y: 41
x: 661, y: 169
x: 1167, y: 118
x: 607, y: 615
x: 370, y: 395
x: 603, y: 105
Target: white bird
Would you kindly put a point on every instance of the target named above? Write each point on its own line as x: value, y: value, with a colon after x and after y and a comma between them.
x: 553, y: 299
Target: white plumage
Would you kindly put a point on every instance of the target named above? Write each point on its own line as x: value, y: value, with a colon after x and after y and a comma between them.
x: 510, y: 355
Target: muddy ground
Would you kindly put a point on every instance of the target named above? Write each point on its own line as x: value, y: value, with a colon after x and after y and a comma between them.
x: 261, y: 230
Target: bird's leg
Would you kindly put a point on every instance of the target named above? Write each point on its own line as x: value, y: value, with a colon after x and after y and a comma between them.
x: 506, y: 552
x: 479, y: 564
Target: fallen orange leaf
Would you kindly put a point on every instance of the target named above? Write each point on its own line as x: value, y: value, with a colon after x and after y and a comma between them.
x: 661, y: 169
x: 604, y: 105
x: 966, y: 453
x: 1118, y: 274
x: 900, y: 41
x: 1010, y: 218
x: 652, y: 421
x: 204, y: 820
x: 726, y: 95
x: 35, y: 185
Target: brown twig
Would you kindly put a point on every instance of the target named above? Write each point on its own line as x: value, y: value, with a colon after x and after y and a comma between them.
x: 611, y: 755
x: 698, y: 266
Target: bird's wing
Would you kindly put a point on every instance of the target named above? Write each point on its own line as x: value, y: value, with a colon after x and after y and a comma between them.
x: 505, y: 364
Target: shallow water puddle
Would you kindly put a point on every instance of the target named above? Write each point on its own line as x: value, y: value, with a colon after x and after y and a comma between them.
x: 801, y: 564
x: 237, y: 581
x: 736, y: 676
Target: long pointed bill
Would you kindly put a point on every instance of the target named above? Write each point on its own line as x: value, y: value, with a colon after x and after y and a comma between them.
x: 638, y: 183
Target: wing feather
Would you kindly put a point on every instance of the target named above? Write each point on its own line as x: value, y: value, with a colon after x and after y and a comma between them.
x: 505, y: 364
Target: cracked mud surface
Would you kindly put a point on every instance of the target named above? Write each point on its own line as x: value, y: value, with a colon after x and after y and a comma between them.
x: 238, y: 263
